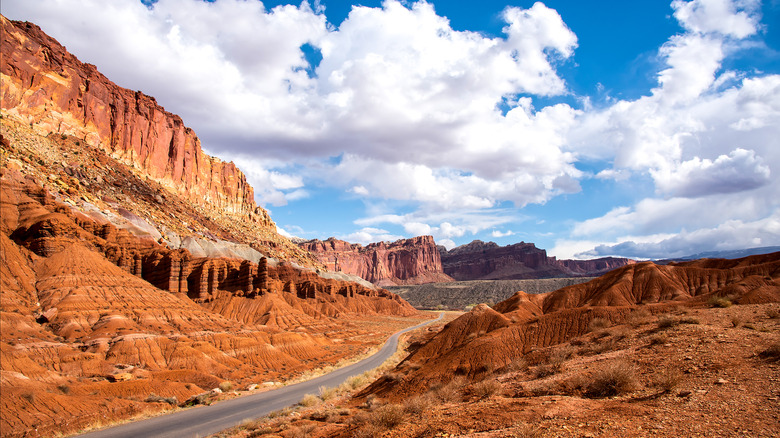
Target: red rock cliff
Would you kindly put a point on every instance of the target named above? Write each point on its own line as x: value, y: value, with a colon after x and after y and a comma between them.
x: 487, y: 261
x: 47, y: 87
x: 409, y: 261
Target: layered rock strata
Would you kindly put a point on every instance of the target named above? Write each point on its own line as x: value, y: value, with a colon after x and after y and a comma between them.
x: 47, y: 87
x: 488, y: 261
x: 409, y: 261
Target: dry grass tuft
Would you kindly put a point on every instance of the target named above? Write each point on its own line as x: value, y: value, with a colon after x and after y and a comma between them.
x: 716, y: 301
x: 525, y: 430
x: 611, y: 379
x: 449, y: 392
x: 487, y: 388
x: 387, y: 416
x: 309, y: 400
x: 659, y: 339
x: 668, y: 379
x: 226, y: 386
x: 418, y: 404
x: 638, y: 317
x: 597, y: 324
x: 667, y: 321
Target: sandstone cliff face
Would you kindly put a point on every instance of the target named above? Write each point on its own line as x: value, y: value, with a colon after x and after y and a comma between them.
x: 487, y: 261
x: 116, y: 153
x: 409, y: 261
x: 47, y: 87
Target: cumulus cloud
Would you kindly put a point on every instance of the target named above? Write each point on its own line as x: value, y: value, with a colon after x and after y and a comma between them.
x: 368, y: 235
x: 731, y: 234
x: 721, y: 16
x: 496, y: 233
x: 739, y: 171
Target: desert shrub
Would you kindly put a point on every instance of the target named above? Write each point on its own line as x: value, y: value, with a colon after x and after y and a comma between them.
x: 487, y: 388
x: 226, y: 386
x: 736, y: 321
x: 65, y: 389
x: 611, y: 379
x: 659, y: 339
x: 546, y: 369
x: 154, y: 398
x: 716, y: 301
x: 418, y: 404
x: 772, y: 313
x: 667, y: 321
x: 602, y: 347
x: 387, y: 416
x: 516, y: 365
x: 368, y: 431
x: 328, y: 393
x: 356, y: 382
x: 772, y: 352
x: 619, y: 333
x: 525, y: 430
x: 450, y: 391
x: 667, y: 379
x: 637, y: 317
x: 689, y: 320
x: 598, y: 323
x: 300, y: 431
x: 309, y: 400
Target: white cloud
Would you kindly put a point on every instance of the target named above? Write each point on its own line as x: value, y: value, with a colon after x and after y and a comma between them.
x: 368, y: 235
x: 739, y: 171
x: 721, y: 16
x: 731, y: 234
x: 496, y: 233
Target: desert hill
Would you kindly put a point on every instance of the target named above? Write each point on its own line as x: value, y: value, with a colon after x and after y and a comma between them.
x: 689, y: 349
x: 542, y: 320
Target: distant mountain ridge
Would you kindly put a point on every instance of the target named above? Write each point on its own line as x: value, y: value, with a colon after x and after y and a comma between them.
x: 479, y: 260
x: 726, y: 254
x: 419, y: 261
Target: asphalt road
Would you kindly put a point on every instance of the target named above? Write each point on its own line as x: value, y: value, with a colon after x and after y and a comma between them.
x: 201, y: 421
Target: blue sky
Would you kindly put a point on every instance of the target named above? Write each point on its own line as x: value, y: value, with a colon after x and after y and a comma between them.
x: 644, y: 129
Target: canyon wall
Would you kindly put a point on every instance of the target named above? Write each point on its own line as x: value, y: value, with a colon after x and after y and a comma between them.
x: 488, y: 261
x: 409, y: 261
x: 48, y: 88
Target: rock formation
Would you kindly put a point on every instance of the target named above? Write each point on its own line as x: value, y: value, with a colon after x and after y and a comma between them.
x: 488, y: 261
x: 409, y: 261
x: 83, y: 304
x: 487, y: 339
x: 117, y: 153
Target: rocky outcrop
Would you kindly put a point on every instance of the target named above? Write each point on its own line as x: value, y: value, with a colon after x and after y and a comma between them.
x: 409, y: 261
x: 118, y: 155
x: 488, y: 261
x: 47, y: 87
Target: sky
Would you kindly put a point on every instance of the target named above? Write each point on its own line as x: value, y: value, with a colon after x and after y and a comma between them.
x: 644, y: 129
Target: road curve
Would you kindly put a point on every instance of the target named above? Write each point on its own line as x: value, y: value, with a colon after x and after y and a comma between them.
x: 202, y: 421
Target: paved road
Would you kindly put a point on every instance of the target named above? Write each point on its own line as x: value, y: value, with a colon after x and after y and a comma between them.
x: 202, y: 421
